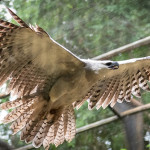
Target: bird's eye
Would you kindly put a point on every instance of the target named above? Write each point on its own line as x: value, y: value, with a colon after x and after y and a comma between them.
x: 108, y: 64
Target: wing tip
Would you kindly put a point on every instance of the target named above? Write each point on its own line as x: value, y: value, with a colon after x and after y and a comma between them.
x: 17, y: 19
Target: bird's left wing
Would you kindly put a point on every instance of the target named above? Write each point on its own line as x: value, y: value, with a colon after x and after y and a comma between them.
x: 121, y: 84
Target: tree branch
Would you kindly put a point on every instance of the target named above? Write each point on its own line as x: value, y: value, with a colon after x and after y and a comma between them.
x: 102, y: 122
x: 113, y: 118
x: 124, y: 48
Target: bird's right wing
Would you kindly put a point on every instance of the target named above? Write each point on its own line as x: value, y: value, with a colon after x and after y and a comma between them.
x: 30, y: 58
x: 32, y: 62
x: 121, y: 84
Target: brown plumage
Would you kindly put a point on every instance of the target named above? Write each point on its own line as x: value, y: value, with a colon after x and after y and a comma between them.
x: 50, y: 82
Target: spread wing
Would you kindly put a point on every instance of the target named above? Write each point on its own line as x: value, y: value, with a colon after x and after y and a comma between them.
x: 117, y: 85
x: 32, y: 62
x: 29, y: 57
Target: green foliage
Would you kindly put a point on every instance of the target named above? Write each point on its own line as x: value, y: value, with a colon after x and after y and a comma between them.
x: 89, y: 28
x: 148, y: 145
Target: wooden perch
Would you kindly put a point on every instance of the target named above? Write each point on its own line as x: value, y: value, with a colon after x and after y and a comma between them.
x: 102, y: 122
x: 113, y: 118
x: 122, y: 49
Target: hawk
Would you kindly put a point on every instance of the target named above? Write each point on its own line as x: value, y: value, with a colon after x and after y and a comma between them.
x: 50, y: 81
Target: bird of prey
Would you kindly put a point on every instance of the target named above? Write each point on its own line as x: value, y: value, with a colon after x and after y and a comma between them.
x: 50, y: 81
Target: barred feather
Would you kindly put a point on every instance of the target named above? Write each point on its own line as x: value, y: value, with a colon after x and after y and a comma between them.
x: 7, y: 24
x: 98, y: 91
x: 41, y: 133
x: 110, y: 96
x: 21, y: 122
x: 49, y: 139
x: 11, y: 104
x: 71, y: 130
x: 20, y: 21
x: 127, y: 84
x: 34, y: 123
x: 50, y: 82
x: 17, y: 112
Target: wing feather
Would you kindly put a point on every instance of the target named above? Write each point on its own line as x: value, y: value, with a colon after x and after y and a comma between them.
x: 13, y: 115
x: 11, y: 104
x: 20, y: 21
x: 32, y: 62
x: 21, y: 45
x: 131, y: 76
x: 7, y: 24
x: 21, y: 121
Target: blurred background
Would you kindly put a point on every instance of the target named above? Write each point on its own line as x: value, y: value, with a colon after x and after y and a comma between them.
x: 89, y: 28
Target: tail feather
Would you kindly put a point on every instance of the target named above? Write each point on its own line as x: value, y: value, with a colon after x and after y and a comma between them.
x: 70, y: 133
x: 63, y: 128
x: 34, y: 131
x: 49, y: 139
x: 41, y: 127
x: 48, y: 121
x: 65, y: 119
x: 51, y: 135
x: 31, y: 128
x: 59, y: 138
x: 42, y: 132
x: 73, y: 127
x: 28, y: 128
x: 54, y: 130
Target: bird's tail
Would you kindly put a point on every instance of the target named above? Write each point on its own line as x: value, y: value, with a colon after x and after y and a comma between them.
x: 40, y: 125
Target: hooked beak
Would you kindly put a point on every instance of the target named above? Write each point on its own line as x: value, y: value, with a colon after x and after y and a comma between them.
x: 113, y: 65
